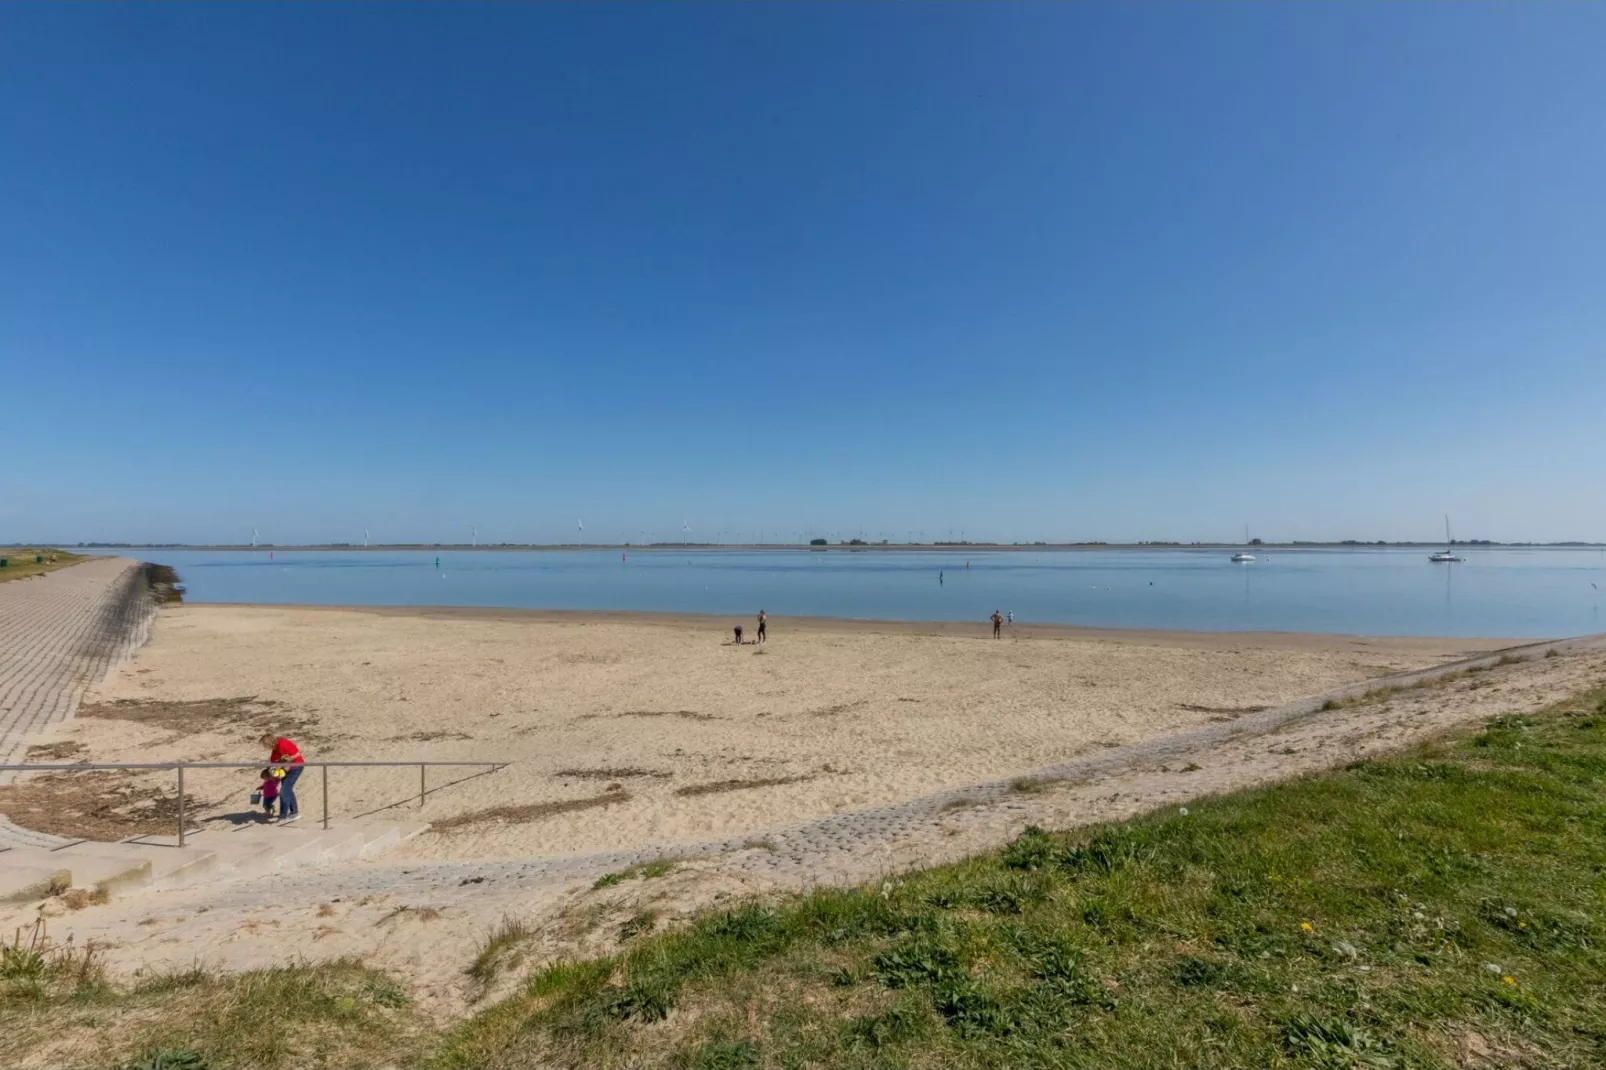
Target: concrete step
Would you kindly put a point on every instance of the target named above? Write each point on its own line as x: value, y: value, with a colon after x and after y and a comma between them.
x: 172, y: 866
x: 21, y: 882
x: 255, y: 849
x: 158, y: 863
x: 389, y: 836
x: 338, y: 844
x: 283, y: 847
x: 106, y: 867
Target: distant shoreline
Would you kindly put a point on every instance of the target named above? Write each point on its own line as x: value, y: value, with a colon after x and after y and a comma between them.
x: 925, y: 547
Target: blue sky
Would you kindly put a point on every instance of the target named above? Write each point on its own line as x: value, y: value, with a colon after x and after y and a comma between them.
x: 1027, y: 272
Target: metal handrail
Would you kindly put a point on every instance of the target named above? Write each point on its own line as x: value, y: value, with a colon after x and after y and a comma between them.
x: 39, y: 767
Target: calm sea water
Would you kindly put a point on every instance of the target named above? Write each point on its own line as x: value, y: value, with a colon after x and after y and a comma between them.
x: 1520, y: 593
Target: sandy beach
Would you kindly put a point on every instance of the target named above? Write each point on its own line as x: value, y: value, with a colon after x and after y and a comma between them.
x: 703, y: 739
x: 628, y: 731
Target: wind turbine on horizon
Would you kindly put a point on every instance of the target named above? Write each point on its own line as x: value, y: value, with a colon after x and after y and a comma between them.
x: 365, y: 538
x: 685, y: 533
x: 474, y: 537
x: 253, y: 538
x: 581, y: 524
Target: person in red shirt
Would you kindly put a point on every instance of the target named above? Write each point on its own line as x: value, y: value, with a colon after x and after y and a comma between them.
x: 283, y: 750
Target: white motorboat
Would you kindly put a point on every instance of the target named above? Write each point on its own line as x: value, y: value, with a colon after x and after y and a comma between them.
x: 1447, y: 554
x: 1242, y: 557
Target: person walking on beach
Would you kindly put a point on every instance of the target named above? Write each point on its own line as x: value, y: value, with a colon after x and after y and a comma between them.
x: 281, y: 751
x: 998, y: 624
x: 763, y: 619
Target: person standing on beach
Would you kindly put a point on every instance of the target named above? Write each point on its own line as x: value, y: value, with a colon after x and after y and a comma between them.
x: 283, y: 750
x: 738, y: 635
x: 763, y: 619
x: 998, y: 624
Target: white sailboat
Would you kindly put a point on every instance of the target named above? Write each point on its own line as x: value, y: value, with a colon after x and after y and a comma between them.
x: 1447, y: 554
x: 1243, y: 557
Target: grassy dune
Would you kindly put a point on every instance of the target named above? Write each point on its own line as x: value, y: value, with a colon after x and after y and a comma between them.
x: 57, y: 1010
x: 1442, y: 908
x: 1411, y: 912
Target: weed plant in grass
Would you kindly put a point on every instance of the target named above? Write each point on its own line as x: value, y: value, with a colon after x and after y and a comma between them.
x: 646, y: 871
x: 1383, y: 915
x: 501, y: 949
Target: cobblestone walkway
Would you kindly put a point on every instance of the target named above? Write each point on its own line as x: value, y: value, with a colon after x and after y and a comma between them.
x: 60, y: 633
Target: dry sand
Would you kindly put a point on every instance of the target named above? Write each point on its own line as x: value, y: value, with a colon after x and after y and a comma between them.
x: 530, y: 688
x: 634, y: 731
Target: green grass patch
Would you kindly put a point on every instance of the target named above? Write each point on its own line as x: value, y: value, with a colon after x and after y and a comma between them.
x: 1376, y: 916
x: 20, y: 564
x: 646, y: 871
x: 58, y: 1009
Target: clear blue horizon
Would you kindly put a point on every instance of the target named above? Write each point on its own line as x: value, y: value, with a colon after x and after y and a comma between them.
x: 1058, y: 272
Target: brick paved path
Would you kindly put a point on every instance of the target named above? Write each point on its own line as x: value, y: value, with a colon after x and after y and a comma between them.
x: 59, y: 634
